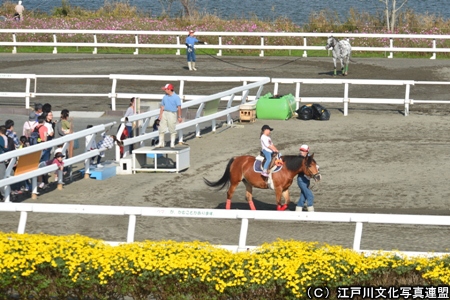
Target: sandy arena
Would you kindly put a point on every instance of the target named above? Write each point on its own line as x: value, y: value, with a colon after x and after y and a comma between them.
x: 375, y: 160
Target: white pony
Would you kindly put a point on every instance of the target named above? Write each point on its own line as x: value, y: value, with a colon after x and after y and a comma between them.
x: 342, y: 50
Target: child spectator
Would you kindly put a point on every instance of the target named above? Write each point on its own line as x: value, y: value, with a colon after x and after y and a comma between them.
x: 107, y: 142
x: 58, y: 160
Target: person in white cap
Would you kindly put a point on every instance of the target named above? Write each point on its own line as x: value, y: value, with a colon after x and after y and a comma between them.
x: 19, y: 10
x: 303, y: 181
x: 190, y: 51
x: 170, y: 112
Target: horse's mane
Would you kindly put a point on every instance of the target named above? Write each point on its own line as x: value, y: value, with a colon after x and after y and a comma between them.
x: 293, y: 162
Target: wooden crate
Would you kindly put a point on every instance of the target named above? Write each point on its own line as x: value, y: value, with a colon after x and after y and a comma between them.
x: 247, y: 115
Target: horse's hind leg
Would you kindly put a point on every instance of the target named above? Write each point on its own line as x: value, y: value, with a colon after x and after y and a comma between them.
x: 248, y: 195
x: 334, y: 61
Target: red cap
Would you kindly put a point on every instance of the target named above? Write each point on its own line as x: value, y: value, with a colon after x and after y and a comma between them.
x: 304, y: 148
x: 191, y: 31
x: 168, y: 86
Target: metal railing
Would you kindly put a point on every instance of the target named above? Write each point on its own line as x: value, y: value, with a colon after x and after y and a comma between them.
x: 14, y: 156
x: 179, y: 40
x: 240, y: 215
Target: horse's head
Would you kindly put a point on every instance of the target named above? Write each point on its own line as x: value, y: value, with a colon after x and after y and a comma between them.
x: 331, y: 42
x: 311, y: 168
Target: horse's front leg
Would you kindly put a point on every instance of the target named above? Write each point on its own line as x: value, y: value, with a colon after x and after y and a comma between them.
x: 278, y: 194
x: 334, y: 62
x: 248, y: 195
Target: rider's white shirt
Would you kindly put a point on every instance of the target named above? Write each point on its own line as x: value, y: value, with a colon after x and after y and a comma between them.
x: 266, y: 141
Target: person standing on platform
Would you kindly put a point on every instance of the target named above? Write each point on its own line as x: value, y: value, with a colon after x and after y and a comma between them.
x: 190, y: 51
x: 170, y: 112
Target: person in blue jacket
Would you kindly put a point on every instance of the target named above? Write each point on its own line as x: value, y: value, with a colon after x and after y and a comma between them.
x: 190, y: 43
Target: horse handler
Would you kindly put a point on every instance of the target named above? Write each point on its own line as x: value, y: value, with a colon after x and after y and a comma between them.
x: 303, y: 181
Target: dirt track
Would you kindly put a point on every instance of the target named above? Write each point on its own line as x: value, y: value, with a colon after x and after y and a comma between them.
x: 374, y: 160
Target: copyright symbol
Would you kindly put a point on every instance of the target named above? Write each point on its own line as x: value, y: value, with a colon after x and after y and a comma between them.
x: 318, y: 292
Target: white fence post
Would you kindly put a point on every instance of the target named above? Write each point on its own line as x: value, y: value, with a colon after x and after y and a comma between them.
x: 95, y: 42
x: 55, y: 41
x: 262, y: 44
x: 136, y: 39
x: 391, y: 46
x: 243, y: 235
x: 358, y: 235
x: 14, y: 51
x: 220, y: 44
x: 434, y: 47
x: 305, y: 53
x: 346, y: 100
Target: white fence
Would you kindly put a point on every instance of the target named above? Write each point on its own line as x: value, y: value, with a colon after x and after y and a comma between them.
x: 243, y: 215
x: 114, y: 94
x: 178, y: 38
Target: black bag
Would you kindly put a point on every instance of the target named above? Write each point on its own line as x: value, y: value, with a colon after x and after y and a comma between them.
x: 11, y: 145
x: 320, y: 112
x: 305, y: 113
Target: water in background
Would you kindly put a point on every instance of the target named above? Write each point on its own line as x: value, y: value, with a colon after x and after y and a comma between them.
x: 296, y: 10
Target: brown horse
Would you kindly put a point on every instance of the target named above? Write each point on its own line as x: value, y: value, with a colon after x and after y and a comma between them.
x: 240, y: 168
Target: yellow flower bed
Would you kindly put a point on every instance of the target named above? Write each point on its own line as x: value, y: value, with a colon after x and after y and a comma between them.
x: 32, y: 265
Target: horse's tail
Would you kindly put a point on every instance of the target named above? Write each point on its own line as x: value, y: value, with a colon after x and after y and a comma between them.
x: 222, y: 182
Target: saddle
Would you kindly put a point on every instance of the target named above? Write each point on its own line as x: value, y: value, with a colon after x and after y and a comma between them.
x: 274, y: 166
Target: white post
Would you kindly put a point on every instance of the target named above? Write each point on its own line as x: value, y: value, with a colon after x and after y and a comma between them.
x: 220, y: 44
x: 14, y: 51
x: 113, y: 94
x: 243, y: 235
x: 391, y: 45
x: 434, y: 47
x: 136, y: 40
x: 55, y: 49
x: 131, y: 228
x: 275, y: 88
x: 181, y: 91
x: 305, y: 53
x: 22, y: 222
x: 95, y: 42
x: 178, y: 43
x: 262, y: 44
x: 407, y: 100
x: 297, y: 95
x: 358, y: 234
x: 346, y: 100
x: 27, y: 90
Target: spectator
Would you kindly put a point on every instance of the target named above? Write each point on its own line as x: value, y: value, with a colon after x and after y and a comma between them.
x: 107, y: 142
x: 29, y: 125
x: 46, y: 108
x: 64, y: 127
x: 9, y: 124
x: 37, y: 110
x: 131, y: 110
x: 3, y: 149
x: 155, y: 128
x: 19, y: 11
x: 58, y: 160
x: 43, y: 131
x: 50, y: 125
